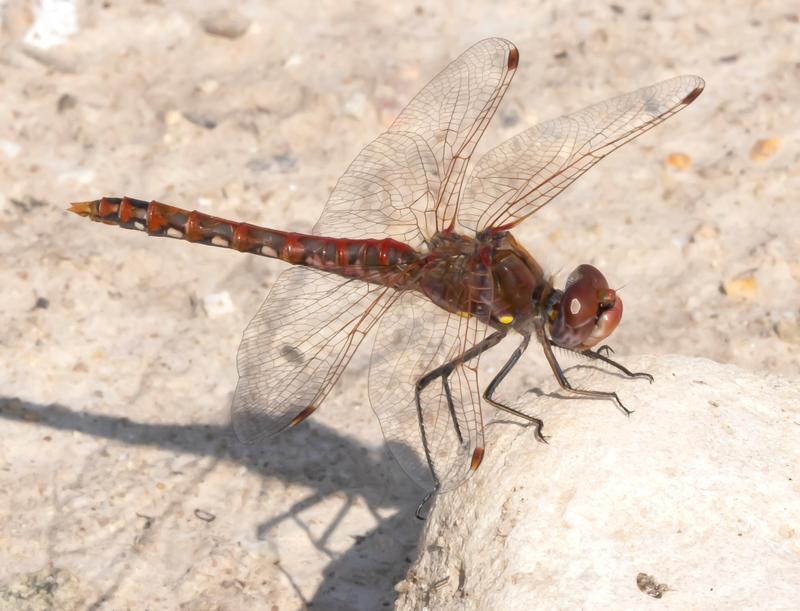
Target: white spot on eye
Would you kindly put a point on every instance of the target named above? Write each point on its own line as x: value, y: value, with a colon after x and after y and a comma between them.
x: 268, y: 251
x: 174, y: 233
x: 219, y: 241
x: 574, y: 306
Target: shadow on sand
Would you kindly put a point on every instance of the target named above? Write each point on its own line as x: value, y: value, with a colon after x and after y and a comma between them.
x: 382, y: 554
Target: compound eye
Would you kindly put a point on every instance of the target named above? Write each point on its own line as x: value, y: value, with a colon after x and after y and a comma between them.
x: 586, y: 297
x: 586, y: 294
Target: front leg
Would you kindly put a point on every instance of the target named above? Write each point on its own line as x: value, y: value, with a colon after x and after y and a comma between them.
x: 601, y: 354
x: 564, y: 383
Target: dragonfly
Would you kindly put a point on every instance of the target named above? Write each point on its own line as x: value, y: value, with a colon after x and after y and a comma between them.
x: 410, y: 245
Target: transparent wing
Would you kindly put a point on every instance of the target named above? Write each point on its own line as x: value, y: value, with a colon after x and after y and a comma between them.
x: 388, y: 191
x: 297, y: 346
x: 405, y: 184
x: 414, y: 338
x: 515, y: 179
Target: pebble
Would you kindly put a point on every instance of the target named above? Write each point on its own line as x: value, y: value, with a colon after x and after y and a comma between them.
x: 356, y: 105
x: 705, y: 231
x: 208, y: 86
x: 225, y: 24
x: 678, y: 161
x: 743, y: 287
x: 764, y: 149
x: 217, y: 304
x: 56, y: 21
x: 293, y: 61
x: 788, y: 329
x: 10, y: 149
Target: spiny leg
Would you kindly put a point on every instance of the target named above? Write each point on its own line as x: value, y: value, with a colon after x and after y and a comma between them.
x: 564, y: 383
x: 601, y: 354
x: 444, y: 372
x: 492, y: 387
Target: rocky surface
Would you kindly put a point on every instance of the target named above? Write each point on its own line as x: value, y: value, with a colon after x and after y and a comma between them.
x: 119, y: 477
x: 695, y: 500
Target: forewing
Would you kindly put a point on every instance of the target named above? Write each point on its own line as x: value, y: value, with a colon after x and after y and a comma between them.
x: 414, y: 338
x: 515, y: 179
x: 405, y: 184
x: 297, y: 346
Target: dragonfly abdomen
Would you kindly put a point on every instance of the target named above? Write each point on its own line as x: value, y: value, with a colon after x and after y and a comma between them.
x: 371, y: 259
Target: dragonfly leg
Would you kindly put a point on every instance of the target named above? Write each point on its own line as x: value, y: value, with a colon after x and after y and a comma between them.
x: 564, y: 383
x: 596, y: 354
x: 443, y: 372
x: 601, y: 354
x: 489, y: 392
x: 604, y: 349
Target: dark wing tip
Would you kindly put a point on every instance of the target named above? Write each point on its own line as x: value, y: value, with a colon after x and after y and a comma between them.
x: 477, y: 458
x: 513, y: 58
x: 694, y: 93
x: 302, y: 415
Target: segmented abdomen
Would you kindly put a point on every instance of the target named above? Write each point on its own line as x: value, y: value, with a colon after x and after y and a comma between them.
x: 378, y: 260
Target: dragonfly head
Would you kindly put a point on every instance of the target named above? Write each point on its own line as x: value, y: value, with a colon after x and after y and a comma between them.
x: 587, y: 312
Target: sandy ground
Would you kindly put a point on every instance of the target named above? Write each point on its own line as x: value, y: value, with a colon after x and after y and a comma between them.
x: 120, y: 481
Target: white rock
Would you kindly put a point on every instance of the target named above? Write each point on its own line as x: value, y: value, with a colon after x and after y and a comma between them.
x: 217, y: 304
x: 699, y: 489
x: 56, y: 21
x: 9, y: 148
x: 356, y: 105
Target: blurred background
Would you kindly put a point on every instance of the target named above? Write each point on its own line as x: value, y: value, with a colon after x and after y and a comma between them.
x: 121, y: 484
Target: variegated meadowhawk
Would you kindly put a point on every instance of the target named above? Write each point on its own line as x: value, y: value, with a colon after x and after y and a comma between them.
x: 406, y: 244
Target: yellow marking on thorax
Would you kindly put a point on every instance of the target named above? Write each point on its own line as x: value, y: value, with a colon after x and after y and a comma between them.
x: 506, y: 319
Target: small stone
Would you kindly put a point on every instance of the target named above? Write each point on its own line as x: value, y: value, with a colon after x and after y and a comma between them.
x: 788, y: 329
x: 356, y: 105
x: 208, y: 86
x: 705, y: 231
x: 293, y: 61
x: 217, y: 304
x: 55, y: 23
x: 678, y: 161
x: 225, y: 24
x: 764, y: 149
x: 66, y: 102
x: 10, y: 149
x: 744, y: 287
x: 173, y: 117
x: 205, y: 516
x: 648, y: 585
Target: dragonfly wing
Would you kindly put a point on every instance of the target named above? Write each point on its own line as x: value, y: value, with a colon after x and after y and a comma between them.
x: 405, y: 184
x: 297, y: 346
x: 516, y: 178
x: 388, y: 191
x: 414, y: 338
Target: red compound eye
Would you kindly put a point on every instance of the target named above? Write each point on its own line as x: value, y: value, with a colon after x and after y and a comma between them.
x: 589, y: 310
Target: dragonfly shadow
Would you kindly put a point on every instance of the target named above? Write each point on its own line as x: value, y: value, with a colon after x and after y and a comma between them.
x: 368, y: 568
